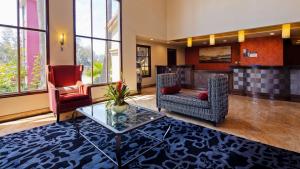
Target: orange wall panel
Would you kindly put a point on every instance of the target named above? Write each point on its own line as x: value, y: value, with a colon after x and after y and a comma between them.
x: 269, y: 51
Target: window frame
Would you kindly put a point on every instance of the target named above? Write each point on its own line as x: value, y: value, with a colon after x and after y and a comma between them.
x: 149, y: 59
x: 120, y: 41
x: 19, y: 29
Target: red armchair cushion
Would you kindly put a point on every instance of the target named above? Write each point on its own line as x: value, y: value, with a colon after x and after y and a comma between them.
x: 72, y: 97
x: 170, y: 90
x: 68, y: 89
x: 203, y: 95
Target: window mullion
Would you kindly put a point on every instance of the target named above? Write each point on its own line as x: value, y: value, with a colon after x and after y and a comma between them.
x: 106, y: 43
x: 18, y: 48
x: 92, y: 42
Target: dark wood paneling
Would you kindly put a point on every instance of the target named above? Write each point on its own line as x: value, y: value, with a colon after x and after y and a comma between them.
x: 291, y: 53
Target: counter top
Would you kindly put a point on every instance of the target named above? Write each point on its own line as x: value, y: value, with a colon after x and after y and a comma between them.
x: 265, y: 67
x: 213, y: 71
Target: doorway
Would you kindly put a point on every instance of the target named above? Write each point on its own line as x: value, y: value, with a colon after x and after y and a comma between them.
x: 172, y: 61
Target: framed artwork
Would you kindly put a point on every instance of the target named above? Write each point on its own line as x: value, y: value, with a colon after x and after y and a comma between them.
x: 220, y: 54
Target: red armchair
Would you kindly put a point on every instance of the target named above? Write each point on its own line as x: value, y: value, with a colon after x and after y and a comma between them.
x: 66, y: 90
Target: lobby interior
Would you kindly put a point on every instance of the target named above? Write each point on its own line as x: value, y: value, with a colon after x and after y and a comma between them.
x: 262, y: 69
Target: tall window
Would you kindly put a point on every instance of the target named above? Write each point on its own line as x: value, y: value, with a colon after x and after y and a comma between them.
x: 23, y: 41
x: 98, y: 40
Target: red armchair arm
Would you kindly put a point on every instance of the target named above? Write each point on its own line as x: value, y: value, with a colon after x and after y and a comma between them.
x: 53, y: 90
x: 84, y: 89
x: 53, y: 97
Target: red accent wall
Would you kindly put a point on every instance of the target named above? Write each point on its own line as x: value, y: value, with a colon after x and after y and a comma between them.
x: 192, y: 58
x: 269, y: 51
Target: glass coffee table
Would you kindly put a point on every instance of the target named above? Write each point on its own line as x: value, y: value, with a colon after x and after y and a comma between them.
x: 120, y: 123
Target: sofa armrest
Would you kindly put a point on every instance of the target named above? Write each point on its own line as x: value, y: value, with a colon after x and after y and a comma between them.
x: 165, y: 80
x: 218, y: 95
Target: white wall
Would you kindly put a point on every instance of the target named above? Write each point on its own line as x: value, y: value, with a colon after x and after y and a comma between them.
x: 61, y: 21
x: 23, y: 103
x: 146, y: 18
x: 159, y: 57
x: 140, y: 17
x: 186, y: 18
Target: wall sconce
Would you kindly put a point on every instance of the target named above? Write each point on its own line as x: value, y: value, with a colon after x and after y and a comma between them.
x: 212, y: 40
x: 286, y: 31
x: 241, y: 36
x: 62, y: 41
x: 189, y: 42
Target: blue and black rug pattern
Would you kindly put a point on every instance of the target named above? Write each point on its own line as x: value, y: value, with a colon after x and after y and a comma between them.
x: 187, y: 146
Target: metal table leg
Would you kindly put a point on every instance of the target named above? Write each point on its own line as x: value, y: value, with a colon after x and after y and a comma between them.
x: 118, y: 140
x: 118, y: 150
x: 160, y: 141
x: 167, y: 132
x: 74, y: 119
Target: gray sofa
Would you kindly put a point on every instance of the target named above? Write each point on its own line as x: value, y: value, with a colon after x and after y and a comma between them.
x: 213, y: 110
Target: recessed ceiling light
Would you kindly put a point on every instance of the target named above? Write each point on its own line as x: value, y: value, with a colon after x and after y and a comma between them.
x: 151, y: 39
x: 272, y: 33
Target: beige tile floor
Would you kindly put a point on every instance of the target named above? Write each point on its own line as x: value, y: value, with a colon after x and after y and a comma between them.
x: 275, y: 123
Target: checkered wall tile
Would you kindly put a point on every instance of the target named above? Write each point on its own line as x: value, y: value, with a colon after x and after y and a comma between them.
x: 295, y: 82
x: 239, y: 79
x: 267, y: 81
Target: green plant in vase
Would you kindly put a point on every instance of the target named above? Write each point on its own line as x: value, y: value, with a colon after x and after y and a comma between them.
x: 117, y: 94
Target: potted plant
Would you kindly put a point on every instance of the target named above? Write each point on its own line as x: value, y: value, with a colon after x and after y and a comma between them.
x: 117, y: 95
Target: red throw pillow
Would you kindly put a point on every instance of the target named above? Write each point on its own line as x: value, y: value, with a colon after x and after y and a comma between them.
x: 170, y: 90
x: 203, y: 95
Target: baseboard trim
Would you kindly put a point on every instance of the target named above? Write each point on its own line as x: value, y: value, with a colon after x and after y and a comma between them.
x: 291, y: 98
x: 149, y: 85
x: 31, y: 113
x: 17, y: 116
x: 295, y: 98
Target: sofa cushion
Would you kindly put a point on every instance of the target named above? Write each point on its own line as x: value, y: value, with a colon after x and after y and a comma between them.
x: 170, y: 90
x: 186, y: 99
x: 203, y: 95
x: 72, y: 97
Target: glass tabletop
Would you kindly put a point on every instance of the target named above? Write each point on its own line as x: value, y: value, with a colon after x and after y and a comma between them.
x: 119, y: 123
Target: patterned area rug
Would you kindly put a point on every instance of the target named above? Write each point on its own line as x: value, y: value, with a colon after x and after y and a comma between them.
x: 187, y: 146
